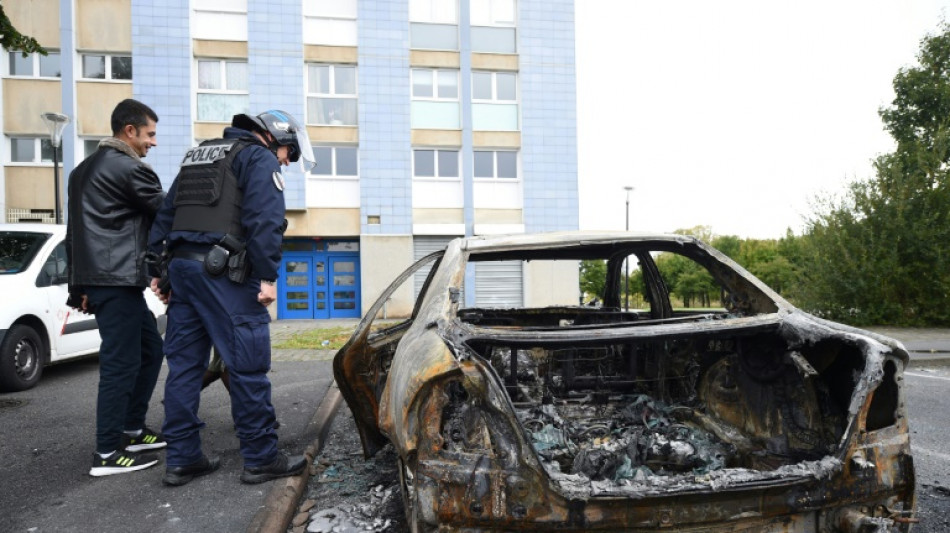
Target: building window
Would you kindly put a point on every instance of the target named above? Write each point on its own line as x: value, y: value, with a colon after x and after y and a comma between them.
x: 330, y: 22
x: 89, y: 147
x: 492, y: 164
x: 495, y: 101
x: 435, y: 164
x: 220, y: 20
x: 106, y: 67
x: 336, y: 161
x: 31, y: 150
x: 331, y: 95
x: 222, y: 89
x: 433, y: 24
x: 493, y: 26
x: 435, y: 99
x: 35, y: 65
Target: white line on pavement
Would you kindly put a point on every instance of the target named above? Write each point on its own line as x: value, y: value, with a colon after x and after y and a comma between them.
x: 916, y: 375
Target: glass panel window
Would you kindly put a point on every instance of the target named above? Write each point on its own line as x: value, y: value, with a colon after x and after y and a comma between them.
x: 122, y: 68
x: 493, y: 26
x: 440, y: 11
x: 31, y: 150
x: 435, y: 163
x: 209, y: 74
x: 482, y: 85
x: 22, y: 150
x: 222, y: 89
x: 493, y: 12
x: 49, y: 65
x: 437, y: 84
x: 435, y: 95
x: 448, y: 164
x: 493, y: 40
x: 94, y: 67
x: 330, y: 22
x: 423, y: 163
x: 35, y: 65
x: 19, y: 65
x: 347, y: 161
x: 495, y: 86
x: 336, y: 161
x: 106, y: 67
x: 500, y: 164
x: 484, y: 164
x: 89, y: 147
x: 495, y: 101
x: 433, y: 36
x: 332, y: 95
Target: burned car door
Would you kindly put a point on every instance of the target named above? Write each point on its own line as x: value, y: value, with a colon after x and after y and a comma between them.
x: 361, y: 367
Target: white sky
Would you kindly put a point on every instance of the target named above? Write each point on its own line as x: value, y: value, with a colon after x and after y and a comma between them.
x: 734, y: 113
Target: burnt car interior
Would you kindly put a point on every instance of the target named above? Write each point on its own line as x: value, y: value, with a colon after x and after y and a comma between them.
x: 665, y: 400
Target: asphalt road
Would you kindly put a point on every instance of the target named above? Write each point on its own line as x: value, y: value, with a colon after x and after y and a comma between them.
x: 47, y: 441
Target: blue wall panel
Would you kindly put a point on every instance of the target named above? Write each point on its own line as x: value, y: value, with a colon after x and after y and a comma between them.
x: 161, y: 70
x: 549, y: 114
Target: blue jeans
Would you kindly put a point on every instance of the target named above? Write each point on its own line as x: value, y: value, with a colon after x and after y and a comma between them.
x: 130, y: 359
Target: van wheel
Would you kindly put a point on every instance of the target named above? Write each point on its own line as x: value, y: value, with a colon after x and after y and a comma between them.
x: 21, y: 359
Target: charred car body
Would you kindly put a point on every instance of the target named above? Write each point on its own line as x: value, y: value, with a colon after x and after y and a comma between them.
x: 750, y: 415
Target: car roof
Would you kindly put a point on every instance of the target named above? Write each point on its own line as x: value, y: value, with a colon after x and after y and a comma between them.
x: 585, y: 244
x: 35, y: 227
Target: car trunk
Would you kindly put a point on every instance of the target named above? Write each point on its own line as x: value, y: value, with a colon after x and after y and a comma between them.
x: 615, y: 410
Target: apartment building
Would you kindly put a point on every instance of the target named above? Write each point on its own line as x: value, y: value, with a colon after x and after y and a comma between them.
x: 430, y: 119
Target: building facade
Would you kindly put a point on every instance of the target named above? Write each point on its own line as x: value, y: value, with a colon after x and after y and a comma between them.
x: 430, y: 119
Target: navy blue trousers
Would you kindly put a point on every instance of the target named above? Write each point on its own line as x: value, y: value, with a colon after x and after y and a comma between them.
x: 130, y: 359
x: 207, y: 311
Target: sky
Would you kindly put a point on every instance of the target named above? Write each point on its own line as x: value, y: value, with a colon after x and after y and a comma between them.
x: 734, y: 114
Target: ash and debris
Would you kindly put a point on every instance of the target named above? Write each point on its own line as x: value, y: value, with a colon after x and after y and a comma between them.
x: 595, y: 442
x: 349, y: 494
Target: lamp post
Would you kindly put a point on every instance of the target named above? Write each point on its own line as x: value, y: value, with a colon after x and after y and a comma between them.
x: 626, y: 282
x: 56, y: 122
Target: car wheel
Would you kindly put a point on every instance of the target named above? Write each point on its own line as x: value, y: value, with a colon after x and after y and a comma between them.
x: 21, y: 359
x: 407, y: 489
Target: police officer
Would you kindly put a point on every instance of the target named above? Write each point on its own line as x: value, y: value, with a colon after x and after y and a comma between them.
x: 220, y: 228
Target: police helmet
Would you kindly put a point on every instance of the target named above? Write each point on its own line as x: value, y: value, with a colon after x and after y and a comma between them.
x: 285, y: 131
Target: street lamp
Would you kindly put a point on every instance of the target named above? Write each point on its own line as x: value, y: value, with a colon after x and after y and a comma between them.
x: 627, y: 260
x: 56, y: 122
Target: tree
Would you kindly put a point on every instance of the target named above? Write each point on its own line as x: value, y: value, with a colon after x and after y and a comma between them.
x: 881, y: 253
x: 593, y: 278
x: 14, y: 41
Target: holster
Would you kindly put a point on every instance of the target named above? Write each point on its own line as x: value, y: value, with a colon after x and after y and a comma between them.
x: 238, y: 267
x: 216, y: 262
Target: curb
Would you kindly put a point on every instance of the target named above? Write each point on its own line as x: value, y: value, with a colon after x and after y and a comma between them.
x: 280, y: 504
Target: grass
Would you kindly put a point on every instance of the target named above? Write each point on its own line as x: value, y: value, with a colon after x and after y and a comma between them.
x: 318, y: 339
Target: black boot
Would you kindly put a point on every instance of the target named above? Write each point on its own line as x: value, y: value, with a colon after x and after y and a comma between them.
x: 179, y: 475
x: 282, y: 466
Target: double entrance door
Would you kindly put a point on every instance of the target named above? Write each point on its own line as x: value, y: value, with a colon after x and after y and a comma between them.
x: 319, y: 285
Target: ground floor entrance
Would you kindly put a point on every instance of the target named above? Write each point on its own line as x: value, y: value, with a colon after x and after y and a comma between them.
x: 319, y: 279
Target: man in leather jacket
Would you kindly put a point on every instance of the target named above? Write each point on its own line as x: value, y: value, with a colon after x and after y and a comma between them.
x: 113, y: 198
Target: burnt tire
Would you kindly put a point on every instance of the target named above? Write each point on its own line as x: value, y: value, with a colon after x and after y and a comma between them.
x: 21, y: 359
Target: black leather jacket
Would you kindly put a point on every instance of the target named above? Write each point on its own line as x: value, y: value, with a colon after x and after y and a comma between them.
x: 113, y: 198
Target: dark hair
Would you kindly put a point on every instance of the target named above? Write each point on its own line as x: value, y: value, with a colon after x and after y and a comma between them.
x: 132, y: 112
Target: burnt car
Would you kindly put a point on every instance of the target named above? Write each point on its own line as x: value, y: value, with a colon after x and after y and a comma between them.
x: 733, y: 411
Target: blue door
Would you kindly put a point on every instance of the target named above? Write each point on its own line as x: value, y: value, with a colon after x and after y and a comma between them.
x: 345, y: 289
x: 315, y: 283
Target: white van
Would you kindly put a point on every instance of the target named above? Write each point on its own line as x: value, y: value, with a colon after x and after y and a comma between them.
x: 37, y: 328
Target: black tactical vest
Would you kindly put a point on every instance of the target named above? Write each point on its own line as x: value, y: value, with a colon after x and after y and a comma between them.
x: 207, y: 197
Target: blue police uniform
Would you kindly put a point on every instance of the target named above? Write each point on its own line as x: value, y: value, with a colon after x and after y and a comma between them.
x: 205, y: 310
